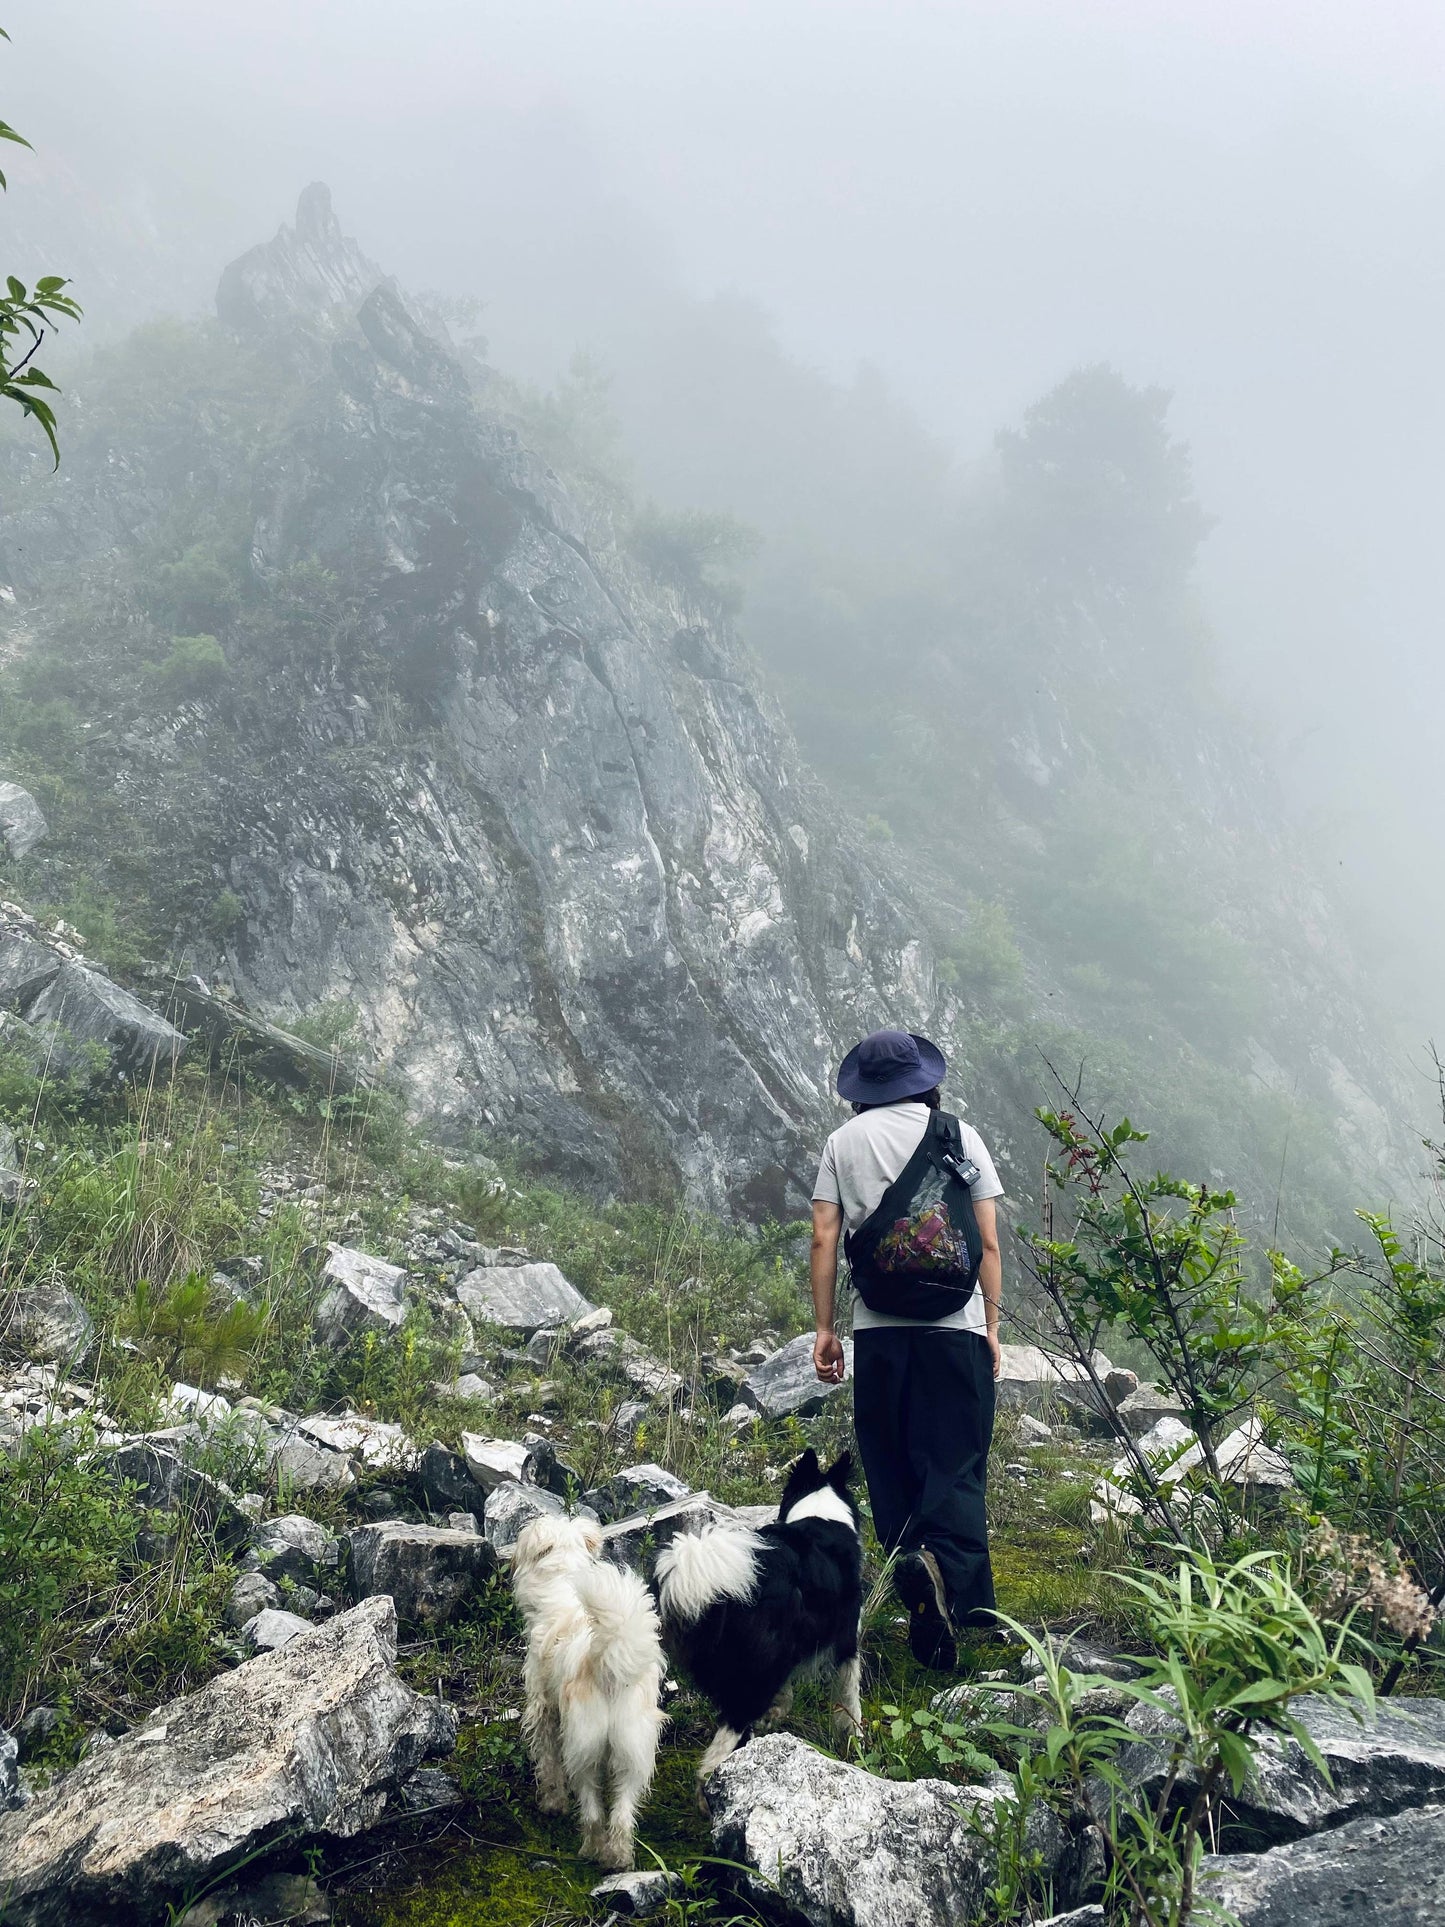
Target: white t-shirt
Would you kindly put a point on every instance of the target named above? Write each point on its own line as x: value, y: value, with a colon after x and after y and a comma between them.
x: 862, y: 1158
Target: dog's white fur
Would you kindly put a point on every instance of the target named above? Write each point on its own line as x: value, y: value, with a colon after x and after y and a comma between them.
x: 825, y: 1503
x: 697, y: 1569
x: 593, y: 1681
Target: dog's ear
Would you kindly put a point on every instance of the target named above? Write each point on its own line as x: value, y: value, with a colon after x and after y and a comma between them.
x: 807, y: 1466
x: 592, y: 1538
x: 840, y: 1472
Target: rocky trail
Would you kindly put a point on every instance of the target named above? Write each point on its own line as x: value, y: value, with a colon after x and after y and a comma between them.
x: 348, y: 1748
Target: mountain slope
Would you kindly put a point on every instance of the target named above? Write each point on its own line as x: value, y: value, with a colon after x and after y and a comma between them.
x: 333, y: 690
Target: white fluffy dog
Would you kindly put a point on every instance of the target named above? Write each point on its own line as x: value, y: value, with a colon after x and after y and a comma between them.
x: 593, y: 1681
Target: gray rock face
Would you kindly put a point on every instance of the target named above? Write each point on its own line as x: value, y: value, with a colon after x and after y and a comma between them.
x: 1396, y: 1759
x: 252, y: 1593
x: 311, y: 268
x: 621, y: 1354
x: 642, y: 1895
x: 94, y: 1018
x: 22, y: 821
x: 839, y: 1847
x: 165, y: 1483
x: 271, y: 1629
x: 10, y: 1794
x: 48, y: 1323
x: 444, y: 1482
x: 310, y: 1740
x: 493, y: 1462
x: 1389, y: 1872
x: 303, y: 1466
x: 786, y: 1385
x: 521, y: 1298
x: 296, y: 1548
x: 635, y: 1540
x: 593, y: 901
x: 363, y: 1294
x: 510, y: 1507
x: 430, y: 1571
x: 637, y: 1488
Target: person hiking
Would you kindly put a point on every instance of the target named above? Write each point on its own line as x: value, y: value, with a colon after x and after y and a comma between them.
x: 914, y: 1189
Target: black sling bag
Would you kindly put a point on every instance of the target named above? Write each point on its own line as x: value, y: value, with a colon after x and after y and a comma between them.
x: 917, y: 1255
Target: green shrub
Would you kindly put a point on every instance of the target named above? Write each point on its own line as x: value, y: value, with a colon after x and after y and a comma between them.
x: 62, y: 1540
x: 195, y: 666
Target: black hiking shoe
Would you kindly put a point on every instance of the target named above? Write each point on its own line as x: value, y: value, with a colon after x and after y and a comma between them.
x: 930, y: 1631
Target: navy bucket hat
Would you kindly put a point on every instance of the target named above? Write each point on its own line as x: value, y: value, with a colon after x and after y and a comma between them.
x: 889, y: 1066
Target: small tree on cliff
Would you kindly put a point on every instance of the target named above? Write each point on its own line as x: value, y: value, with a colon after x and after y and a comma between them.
x: 26, y: 316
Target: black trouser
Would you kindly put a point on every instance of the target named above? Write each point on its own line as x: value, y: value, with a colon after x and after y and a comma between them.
x: 923, y: 1414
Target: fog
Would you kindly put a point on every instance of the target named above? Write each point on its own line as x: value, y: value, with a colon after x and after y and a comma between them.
x: 1240, y: 203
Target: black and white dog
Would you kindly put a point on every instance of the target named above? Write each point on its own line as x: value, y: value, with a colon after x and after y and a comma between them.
x: 746, y: 1611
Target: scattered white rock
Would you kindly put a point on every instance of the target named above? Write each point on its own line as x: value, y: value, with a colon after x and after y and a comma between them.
x: 511, y: 1506
x: 271, y: 1629
x: 521, y: 1298
x: 363, y: 1294
x: 375, y: 1443
x: 492, y: 1462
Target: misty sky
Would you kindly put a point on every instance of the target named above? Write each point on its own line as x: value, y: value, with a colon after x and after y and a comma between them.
x: 1241, y: 201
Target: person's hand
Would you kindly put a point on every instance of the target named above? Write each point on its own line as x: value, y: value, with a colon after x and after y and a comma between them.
x: 993, y: 1351
x: 828, y: 1360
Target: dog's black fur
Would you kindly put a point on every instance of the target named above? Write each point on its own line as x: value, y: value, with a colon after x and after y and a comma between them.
x: 804, y: 1610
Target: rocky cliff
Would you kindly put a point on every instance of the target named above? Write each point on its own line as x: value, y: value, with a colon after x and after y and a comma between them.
x: 572, y: 875
x: 318, y: 661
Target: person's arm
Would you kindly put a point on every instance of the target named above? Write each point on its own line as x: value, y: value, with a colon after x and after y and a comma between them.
x: 823, y: 1273
x: 990, y: 1273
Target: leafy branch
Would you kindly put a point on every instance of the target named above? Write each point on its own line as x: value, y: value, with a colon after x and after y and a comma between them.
x: 27, y: 316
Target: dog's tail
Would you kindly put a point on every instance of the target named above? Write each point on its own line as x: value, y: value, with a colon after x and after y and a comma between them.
x: 698, y: 1569
x: 626, y: 1638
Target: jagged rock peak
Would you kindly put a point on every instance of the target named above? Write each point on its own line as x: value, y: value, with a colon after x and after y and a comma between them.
x: 310, y: 275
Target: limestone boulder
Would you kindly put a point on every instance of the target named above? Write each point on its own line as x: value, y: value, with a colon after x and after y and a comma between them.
x: 510, y: 1507
x: 252, y: 1593
x: 164, y: 1483
x: 271, y: 1629
x: 786, y: 1385
x: 429, y: 1571
x: 637, y: 1488
x: 296, y: 1548
x: 493, y: 1462
x: 22, y: 821
x: 521, y: 1298
x: 835, y: 1846
x: 361, y: 1293
x: 47, y: 1323
x: 376, y: 1444
x: 443, y: 1483
x: 1390, y: 1759
x: 1388, y: 1872
x: 308, y: 1742
x: 97, y: 1026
